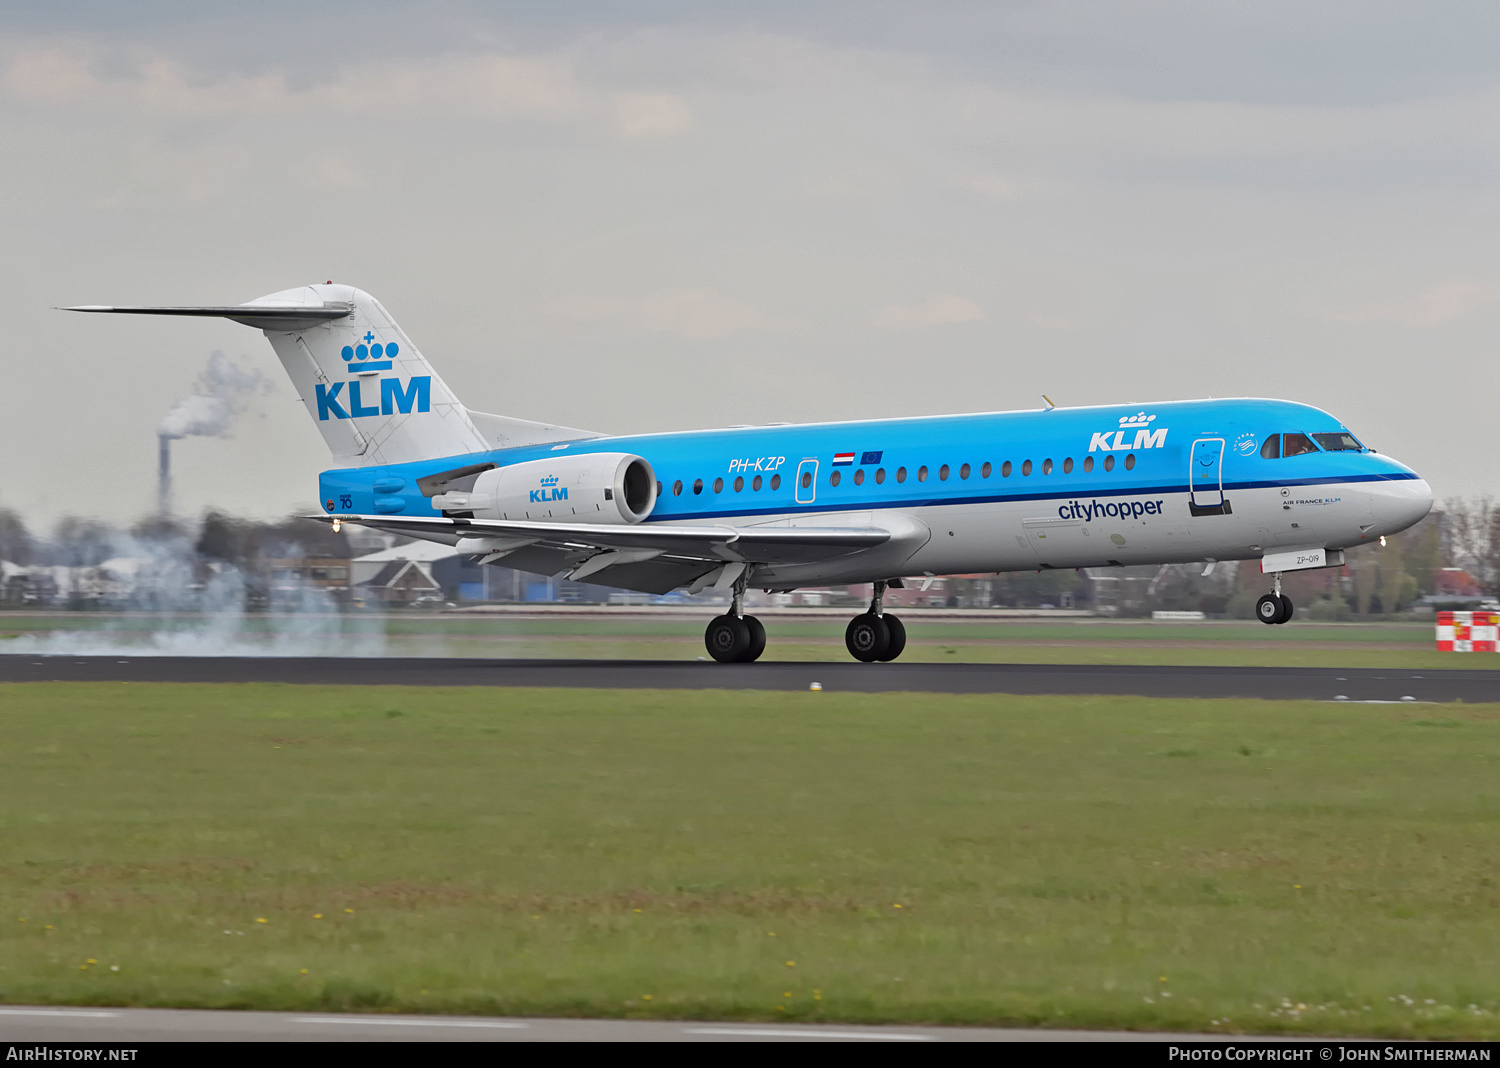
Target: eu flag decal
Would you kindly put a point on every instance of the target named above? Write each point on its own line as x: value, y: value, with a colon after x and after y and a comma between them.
x: 843, y: 459
x: 871, y: 458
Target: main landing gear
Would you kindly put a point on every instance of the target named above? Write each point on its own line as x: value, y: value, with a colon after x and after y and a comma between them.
x: 1274, y: 607
x: 735, y: 638
x: 876, y: 635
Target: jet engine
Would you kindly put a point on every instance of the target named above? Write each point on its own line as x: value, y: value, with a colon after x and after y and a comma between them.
x: 593, y: 487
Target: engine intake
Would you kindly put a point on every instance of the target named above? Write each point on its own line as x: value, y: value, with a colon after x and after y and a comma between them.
x: 592, y: 487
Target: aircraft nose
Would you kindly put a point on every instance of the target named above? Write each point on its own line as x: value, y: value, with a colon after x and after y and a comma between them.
x: 1400, y: 504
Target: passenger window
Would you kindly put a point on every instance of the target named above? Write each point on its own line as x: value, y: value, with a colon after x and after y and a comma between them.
x: 922, y: 473
x: 697, y: 485
x: 1129, y: 461
x: 900, y: 474
x: 739, y: 483
x: 756, y: 484
x: 1026, y: 467
x: 658, y: 489
x: 807, y: 479
x: 1088, y: 464
x: 718, y: 485
x: 984, y: 472
x: 834, y: 479
x: 1340, y: 442
x: 859, y: 477
x: 1068, y: 466
x: 963, y: 472
x: 775, y: 482
x: 1047, y: 467
x: 1296, y: 445
x: 677, y: 488
x: 879, y: 475
x: 1271, y: 450
x: 1005, y: 469
x: 1109, y: 463
x: 943, y: 473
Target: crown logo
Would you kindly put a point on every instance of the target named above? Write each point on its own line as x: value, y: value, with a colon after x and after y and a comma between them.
x: 369, y: 354
x: 1139, y: 419
x: 550, y: 480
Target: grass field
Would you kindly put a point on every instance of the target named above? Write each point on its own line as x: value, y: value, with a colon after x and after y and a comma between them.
x: 931, y: 639
x: 1098, y: 862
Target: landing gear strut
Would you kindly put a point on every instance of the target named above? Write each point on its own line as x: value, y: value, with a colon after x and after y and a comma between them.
x: 735, y: 638
x: 876, y: 635
x: 1275, y: 607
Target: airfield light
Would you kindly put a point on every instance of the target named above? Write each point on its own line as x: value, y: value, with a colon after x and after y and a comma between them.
x: 337, y: 524
x: 1382, y: 541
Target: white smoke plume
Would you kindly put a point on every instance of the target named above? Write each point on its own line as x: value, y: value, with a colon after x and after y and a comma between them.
x: 221, y: 393
x: 159, y: 599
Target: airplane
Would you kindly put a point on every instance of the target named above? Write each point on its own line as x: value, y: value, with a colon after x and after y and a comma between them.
x: 786, y: 506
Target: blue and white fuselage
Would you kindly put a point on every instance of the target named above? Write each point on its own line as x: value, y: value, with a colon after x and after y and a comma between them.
x: 779, y: 507
x: 1006, y: 491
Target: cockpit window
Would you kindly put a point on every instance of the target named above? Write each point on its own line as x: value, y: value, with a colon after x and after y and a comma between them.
x: 1339, y: 442
x: 1296, y: 445
x: 1271, y: 450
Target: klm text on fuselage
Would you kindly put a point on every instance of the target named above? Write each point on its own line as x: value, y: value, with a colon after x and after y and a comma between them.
x: 417, y: 393
x: 1145, y: 438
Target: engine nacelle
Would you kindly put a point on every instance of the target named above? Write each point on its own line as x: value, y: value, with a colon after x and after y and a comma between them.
x: 589, y: 487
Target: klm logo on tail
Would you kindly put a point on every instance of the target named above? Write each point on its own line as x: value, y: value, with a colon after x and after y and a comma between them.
x: 550, y: 491
x: 394, y: 397
x: 369, y: 355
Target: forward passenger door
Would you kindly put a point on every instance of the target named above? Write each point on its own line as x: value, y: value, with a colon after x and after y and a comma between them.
x: 1206, y: 478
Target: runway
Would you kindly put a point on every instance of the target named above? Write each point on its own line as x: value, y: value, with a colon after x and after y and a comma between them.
x: 19, y: 1023
x: 1318, y: 684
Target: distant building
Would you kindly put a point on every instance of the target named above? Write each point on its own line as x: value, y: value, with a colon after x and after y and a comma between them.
x: 291, y: 576
x: 401, y: 575
x: 400, y: 582
x: 27, y: 587
x: 1454, y: 582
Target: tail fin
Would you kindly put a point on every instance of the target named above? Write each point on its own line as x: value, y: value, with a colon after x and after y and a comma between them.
x: 373, y: 395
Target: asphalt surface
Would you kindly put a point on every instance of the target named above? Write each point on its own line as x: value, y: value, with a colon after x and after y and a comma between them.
x: 1321, y: 684
x: 19, y: 1023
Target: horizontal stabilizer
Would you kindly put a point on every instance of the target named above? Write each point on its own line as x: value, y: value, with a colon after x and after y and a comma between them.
x: 260, y: 316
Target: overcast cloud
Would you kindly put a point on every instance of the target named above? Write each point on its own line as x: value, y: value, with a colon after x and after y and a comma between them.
x: 669, y: 215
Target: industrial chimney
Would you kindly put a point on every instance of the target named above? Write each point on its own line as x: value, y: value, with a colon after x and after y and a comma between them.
x: 164, y: 476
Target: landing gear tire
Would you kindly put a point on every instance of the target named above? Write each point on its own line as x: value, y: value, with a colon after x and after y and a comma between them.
x: 728, y: 639
x: 757, y: 640
x: 897, y: 631
x: 1274, y: 608
x: 868, y: 638
x: 1268, y: 609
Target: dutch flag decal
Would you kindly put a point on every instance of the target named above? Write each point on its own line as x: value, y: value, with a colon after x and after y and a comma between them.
x: 843, y: 459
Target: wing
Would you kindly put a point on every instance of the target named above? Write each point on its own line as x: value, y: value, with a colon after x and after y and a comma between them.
x: 653, y: 557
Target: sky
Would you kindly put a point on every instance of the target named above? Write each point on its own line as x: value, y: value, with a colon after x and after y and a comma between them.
x: 667, y: 215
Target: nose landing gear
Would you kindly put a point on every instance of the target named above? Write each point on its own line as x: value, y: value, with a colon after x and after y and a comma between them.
x: 876, y: 635
x: 735, y: 638
x: 1274, y: 607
